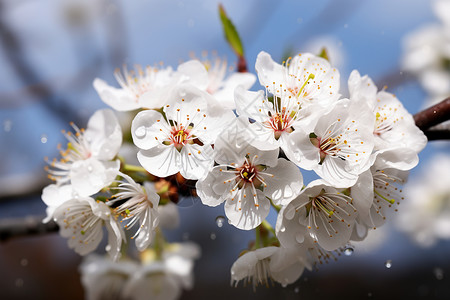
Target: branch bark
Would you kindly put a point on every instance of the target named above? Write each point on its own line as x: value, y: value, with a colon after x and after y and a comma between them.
x: 433, y: 115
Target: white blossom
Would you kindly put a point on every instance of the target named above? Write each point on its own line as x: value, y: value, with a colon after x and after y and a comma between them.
x: 394, y: 125
x: 149, y: 88
x: 140, y: 209
x: 263, y: 265
x: 180, y: 142
x: 246, y: 178
x: 425, y: 213
x: 339, y: 147
x: 81, y: 220
x: 103, y: 278
x: 320, y: 212
x: 307, y: 77
x: 87, y: 164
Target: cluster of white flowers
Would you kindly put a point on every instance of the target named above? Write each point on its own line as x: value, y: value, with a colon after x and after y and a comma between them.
x: 427, y: 54
x: 361, y: 147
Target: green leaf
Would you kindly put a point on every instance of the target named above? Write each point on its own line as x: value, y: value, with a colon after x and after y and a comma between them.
x: 231, y: 34
x: 324, y: 53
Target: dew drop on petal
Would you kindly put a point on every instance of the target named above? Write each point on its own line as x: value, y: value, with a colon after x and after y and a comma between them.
x: 7, y: 125
x: 438, y: 273
x: 220, y: 220
x: 348, y: 250
x: 44, y: 139
x: 388, y: 263
x: 89, y: 168
x: 140, y: 132
x: 212, y: 236
x: 283, y: 229
x: 24, y: 262
x: 299, y: 237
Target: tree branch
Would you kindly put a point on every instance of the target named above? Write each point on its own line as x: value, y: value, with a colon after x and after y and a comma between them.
x: 434, y: 115
x: 31, y: 225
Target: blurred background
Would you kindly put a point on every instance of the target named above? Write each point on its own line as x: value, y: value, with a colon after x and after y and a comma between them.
x: 51, y: 51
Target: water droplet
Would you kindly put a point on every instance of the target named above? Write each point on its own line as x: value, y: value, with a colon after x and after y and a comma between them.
x: 19, y: 282
x: 24, y: 262
x: 345, y: 26
x: 284, y: 284
x: 283, y: 229
x: 43, y: 138
x: 438, y: 273
x: 7, y: 125
x: 191, y: 23
x: 299, y: 20
x: 213, y: 236
x: 108, y: 248
x: 220, y: 220
x: 89, y: 168
x: 185, y: 236
x: 300, y: 237
x: 348, y: 250
x: 140, y: 132
x: 296, y: 290
x: 388, y: 264
x: 369, y: 294
x: 401, y: 72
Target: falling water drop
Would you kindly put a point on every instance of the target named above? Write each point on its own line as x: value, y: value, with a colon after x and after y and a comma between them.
x: 19, y: 282
x: 44, y: 139
x: 24, y: 262
x: 220, y: 220
x: 296, y: 290
x: 212, y: 236
x: 438, y: 273
x: 388, y: 264
x: 348, y: 250
x: 7, y: 125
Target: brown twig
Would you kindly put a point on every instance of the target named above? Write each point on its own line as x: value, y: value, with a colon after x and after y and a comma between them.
x: 31, y: 225
x: 434, y: 115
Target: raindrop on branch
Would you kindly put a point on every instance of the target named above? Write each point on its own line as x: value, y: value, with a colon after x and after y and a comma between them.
x: 220, y: 220
x: 388, y: 263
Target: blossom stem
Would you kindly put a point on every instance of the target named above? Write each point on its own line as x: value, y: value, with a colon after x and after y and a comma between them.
x: 277, y: 207
x: 258, y: 237
x: 133, y: 168
x: 269, y: 227
x: 433, y: 115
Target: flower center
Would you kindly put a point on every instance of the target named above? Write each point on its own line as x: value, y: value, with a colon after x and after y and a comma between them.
x: 280, y: 122
x: 248, y: 174
x: 328, y: 146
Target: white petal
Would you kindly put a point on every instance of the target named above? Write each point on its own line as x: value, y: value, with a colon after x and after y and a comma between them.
x: 148, y: 129
x: 268, y: 70
x: 214, y: 188
x: 243, y: 212
x: 286, y: 183
x: 195, y: 161
x: 90, y: 176
x: 119, y: 99
x: 161, y: 161
x: 104, y: 134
